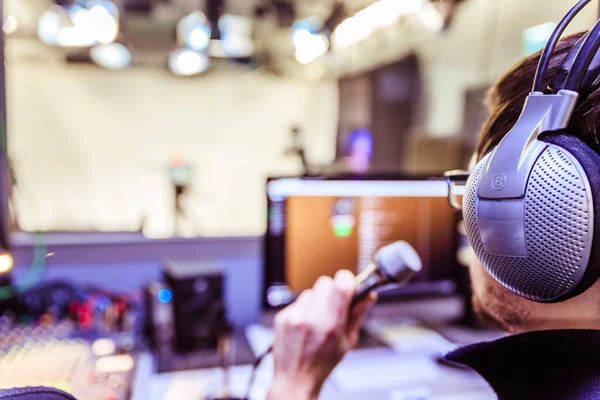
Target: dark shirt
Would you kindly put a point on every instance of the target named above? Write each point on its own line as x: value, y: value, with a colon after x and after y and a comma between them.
x: 34, y: 393
x: 561, y: 364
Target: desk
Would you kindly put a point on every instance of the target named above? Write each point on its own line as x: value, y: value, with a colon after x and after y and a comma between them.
x: 452, y: 385
x: 374, y: 374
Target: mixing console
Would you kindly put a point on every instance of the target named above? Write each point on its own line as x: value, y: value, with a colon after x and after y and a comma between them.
x: 50, y: 356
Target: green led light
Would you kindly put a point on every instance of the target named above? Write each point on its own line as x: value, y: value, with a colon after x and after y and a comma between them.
x: 343, y: 225
x: 343, y: 230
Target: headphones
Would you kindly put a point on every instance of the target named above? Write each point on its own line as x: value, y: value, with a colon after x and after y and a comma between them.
x: 531, y: 206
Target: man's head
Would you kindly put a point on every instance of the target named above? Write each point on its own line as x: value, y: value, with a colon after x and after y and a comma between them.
x: 492, y: 301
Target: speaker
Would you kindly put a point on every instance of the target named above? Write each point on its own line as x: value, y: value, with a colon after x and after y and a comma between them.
x: 198, y: 304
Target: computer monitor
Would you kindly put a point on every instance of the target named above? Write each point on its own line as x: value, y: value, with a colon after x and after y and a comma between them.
x: 317, y: 226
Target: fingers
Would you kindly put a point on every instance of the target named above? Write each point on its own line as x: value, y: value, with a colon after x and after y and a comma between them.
x: 303, y: 302
x: 298, y: 310
x: 324, y: 291
x: 346, y: 283
x: 358, y: 314
x: 324, y: 312
x: 332, y: 300
x: 295, y: 313
x: 326, y: 307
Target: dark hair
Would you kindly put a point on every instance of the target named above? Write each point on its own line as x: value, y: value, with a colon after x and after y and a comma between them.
x: 506, y: 97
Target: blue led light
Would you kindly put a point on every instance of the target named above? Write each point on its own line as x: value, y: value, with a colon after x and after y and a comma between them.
x: 165, y: 296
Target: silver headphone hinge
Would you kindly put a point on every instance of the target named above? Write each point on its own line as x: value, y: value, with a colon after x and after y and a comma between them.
x: 506, y: 173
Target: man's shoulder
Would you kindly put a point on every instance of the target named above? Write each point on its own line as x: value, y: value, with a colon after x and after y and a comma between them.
x: 541, y: 363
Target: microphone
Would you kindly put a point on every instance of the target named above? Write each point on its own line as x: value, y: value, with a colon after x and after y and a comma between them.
x: 395, y: 263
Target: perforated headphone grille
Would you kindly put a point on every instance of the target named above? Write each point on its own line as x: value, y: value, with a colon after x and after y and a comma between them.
x: 470, y: 207
x: 558, y: 223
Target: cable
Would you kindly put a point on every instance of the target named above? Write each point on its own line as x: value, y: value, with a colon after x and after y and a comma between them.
x: 538, y: 83
x: 583, y: 60
x: 255, y: 366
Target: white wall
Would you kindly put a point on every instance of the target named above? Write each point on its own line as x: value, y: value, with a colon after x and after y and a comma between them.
x: 91, y: 146
x: 484, y: 41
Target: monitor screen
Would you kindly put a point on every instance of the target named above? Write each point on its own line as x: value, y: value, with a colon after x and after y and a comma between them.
x: 319, y: 226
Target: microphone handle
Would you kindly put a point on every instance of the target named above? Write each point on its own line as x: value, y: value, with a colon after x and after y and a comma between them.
x: 370, y: 278
x: 363, y: 291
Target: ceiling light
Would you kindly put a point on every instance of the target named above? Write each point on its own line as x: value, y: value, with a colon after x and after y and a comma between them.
x: 302, y: 28
x: 107, y: 5
x: 236, y: 36
x: 198, y: 38
x: 187, y: 62
x: 194, y: 31
x: 98, y: 24
x: 376, y: 16
x: 73, y: 37
x: 10, y: 24
x: 51, y: 22
x: 237, y: 25
x: 78, y: 26
x: 79, y: 16
x: 103, y: 25
x: 311, y: 47
x: 238, y: 46
x: 112, y: 56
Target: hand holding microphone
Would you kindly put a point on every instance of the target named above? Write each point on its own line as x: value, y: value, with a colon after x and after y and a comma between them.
x: 396, y: 263
x: 314, y: 333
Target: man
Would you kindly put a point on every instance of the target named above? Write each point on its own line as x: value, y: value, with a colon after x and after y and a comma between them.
x: 554, y: 350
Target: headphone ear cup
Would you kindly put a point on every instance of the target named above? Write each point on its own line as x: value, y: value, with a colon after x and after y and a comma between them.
x: 589, y: 161
x: 557, y: 220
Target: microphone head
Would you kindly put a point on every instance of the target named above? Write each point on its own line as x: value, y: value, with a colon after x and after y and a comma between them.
x: 399, y: 261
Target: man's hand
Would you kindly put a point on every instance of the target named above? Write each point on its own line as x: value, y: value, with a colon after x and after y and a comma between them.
x: 313, y: 334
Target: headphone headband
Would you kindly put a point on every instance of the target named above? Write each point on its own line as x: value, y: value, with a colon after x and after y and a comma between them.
x: 508, y: 169
x: 584, y: 58
x: 538, y: 82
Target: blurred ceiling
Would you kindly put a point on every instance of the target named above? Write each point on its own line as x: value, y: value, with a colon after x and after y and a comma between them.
x: 148, y: 27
